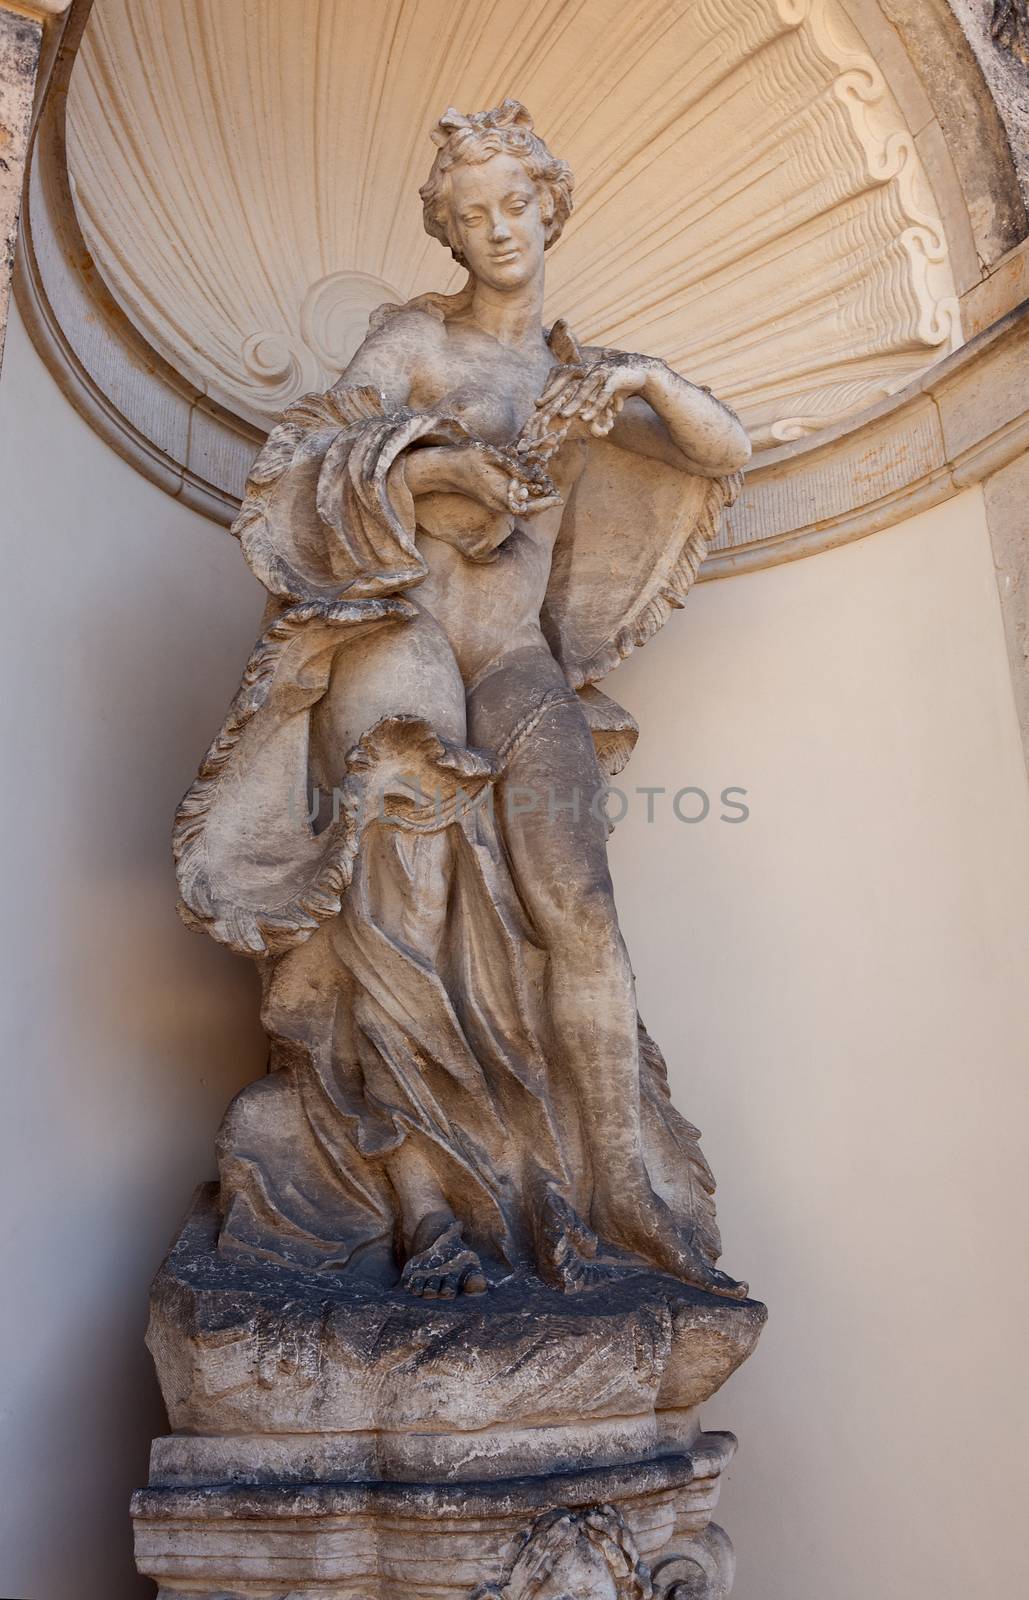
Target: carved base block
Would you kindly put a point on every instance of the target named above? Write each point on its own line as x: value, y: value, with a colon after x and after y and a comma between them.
x: 628, y: 1531
x: 336, y: 1440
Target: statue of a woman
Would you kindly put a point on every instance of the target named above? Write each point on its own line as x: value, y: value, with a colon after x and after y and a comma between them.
x: 474, y: 525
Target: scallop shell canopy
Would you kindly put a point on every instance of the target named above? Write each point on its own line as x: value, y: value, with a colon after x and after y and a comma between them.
x: 750, y: 203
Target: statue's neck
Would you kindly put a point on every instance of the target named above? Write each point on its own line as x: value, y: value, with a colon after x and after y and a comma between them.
x: 512, y: 317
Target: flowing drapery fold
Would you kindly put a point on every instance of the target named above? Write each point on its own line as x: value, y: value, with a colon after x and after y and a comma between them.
x: 404, y: 990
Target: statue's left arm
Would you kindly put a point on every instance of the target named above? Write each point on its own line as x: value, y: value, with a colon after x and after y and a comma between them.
x: 647, y: 507
x: 642, y: 405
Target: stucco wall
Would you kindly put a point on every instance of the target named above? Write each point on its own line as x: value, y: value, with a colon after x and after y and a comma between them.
x: 126, y: 620
x: 837, y: 982
x: 840, y: 986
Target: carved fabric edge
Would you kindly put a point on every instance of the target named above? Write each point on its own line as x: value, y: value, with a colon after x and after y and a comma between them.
x: 259, y: 930
x: 654, y: 611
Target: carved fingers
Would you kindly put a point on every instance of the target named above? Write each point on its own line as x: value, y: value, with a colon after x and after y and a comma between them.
x: 604, y: 391
x: 591, y: 393
x: 530, y: 488
x: 501, y: 481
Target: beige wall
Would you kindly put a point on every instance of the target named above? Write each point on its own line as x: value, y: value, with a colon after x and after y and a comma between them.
x: 126, y: 620
x: 838, y: 984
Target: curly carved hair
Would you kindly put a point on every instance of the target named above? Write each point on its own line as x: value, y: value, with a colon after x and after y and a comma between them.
x: 506, y: 130
x: 559, y: 1533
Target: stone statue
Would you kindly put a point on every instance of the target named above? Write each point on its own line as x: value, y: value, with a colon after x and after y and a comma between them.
x: 473, y: 526
x: 445, y: 1323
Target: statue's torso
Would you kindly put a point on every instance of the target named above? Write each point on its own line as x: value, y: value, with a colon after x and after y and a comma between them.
x: 487, y: 610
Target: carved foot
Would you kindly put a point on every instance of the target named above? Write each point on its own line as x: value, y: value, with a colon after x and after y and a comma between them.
x: 660, y: 1240
x: 694, y: 1268
x: 567, y: 1248
x: 445, y: 1267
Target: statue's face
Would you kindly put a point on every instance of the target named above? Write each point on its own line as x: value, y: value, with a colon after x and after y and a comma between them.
x: 497, y: 221
x: 579, y: 1575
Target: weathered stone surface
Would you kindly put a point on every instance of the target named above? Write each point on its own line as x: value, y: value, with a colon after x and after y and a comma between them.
x: 338, y: 1439
x: 430, y: 1542
x: 348, y: 1382
x: 20, y: 40
x: 364, y: 1445
x: 463, y: 1087
x: 447, y: 1322
x: 984, y: 130
x: 1009, y: 25
x: 1006, y: 288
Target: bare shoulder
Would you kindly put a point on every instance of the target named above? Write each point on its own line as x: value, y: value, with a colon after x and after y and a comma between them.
x: 412, y: 322
x: 401, y: 343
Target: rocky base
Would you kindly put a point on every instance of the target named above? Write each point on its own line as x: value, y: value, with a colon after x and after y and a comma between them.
x: 336, y: 1440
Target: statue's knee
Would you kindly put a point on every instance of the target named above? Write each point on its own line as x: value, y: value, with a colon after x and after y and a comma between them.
x: 582, y: 911
x: 258, y: 1112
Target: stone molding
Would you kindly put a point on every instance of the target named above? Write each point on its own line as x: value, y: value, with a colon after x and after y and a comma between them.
x: 795, y: 146
x: 376, y: 1541
x: 28, y: 33
x: 866, y: 473
x: 979, y: 106
x: 40, y: 9
x: 961, y: 422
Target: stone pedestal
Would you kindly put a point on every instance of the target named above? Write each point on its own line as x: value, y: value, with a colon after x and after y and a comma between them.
x: 332, y: 1439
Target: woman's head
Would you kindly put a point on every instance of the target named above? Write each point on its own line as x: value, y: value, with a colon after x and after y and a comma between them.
x: 495, y: 196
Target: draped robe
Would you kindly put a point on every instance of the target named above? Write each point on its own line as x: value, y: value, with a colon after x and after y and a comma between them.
x: 381, y: 1031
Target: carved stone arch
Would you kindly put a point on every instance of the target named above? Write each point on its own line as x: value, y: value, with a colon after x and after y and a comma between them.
x: 135, y: 400
x: 883, y: 95
x: 977, y: 129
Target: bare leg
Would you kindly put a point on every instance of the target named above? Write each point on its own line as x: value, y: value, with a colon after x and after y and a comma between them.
x: 557, y: 840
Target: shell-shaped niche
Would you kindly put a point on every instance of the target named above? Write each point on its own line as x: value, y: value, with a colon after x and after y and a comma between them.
x: 750, y: 203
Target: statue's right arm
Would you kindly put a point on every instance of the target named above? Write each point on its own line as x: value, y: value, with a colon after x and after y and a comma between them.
x: 395, y: 359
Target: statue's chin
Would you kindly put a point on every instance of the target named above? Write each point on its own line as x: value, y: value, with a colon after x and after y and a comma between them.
x: 512, y: 275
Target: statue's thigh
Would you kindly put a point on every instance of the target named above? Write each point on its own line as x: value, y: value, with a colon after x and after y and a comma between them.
x: 550, y: 802
x: 403, y: 670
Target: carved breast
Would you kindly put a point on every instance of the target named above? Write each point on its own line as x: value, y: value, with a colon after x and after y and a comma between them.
x: 491, y: 413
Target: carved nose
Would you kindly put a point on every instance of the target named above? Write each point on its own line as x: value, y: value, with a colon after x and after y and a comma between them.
x: 499, y: 231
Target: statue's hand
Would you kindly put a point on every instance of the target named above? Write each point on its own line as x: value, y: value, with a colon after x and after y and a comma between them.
x: 495, y: 479
x: 591, y: 389
x: 595, y: 391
